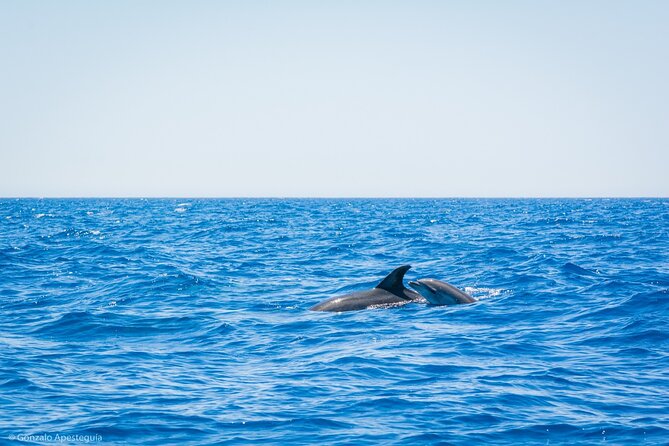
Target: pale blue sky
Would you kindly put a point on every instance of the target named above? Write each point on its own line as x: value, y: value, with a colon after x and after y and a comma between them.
x: 334, y: 98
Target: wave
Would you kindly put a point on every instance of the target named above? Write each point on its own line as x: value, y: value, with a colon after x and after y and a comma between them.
x: 136, y: 321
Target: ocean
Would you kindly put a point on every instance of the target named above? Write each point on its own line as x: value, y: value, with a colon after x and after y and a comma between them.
x: 186, y: 321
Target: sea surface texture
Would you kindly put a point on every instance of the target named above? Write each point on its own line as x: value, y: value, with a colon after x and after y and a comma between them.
x: 187, y: 322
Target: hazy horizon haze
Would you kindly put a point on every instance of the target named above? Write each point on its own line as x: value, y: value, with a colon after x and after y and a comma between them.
x: 334, y: 99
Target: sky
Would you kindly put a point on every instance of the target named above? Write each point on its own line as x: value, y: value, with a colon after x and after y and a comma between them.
x: 334, y: 98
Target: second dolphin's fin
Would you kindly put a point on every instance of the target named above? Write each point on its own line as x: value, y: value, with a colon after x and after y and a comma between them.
x: 394, y: 282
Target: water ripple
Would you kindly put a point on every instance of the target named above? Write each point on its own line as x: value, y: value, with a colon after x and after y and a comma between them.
x: 186, y: 321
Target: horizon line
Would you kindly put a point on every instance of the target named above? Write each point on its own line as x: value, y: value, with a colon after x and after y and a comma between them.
x: 304, y: 197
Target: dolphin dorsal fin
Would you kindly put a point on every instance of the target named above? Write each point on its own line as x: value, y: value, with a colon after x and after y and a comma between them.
x: 394, y: 281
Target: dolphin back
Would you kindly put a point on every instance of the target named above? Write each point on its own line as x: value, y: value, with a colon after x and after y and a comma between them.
x: 359, y: 301
x: 438, y: 292
x: 390, y: 291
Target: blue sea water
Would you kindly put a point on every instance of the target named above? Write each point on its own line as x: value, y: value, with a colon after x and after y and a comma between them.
x: 186, y: 322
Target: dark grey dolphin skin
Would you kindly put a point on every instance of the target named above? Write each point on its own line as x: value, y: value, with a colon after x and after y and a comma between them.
x: 389, y: 291
x: 437, y: 292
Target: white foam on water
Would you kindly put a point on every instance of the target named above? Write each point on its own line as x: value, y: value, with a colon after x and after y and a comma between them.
x: 483, y: 292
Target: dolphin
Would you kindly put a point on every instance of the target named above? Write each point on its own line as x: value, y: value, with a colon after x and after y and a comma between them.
x: 390, y: 291
x: 437, y: 292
